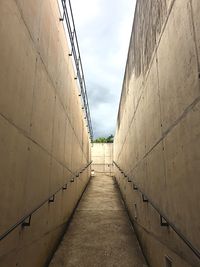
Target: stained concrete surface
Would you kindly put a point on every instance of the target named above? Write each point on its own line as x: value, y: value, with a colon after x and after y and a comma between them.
x: 100, y: 233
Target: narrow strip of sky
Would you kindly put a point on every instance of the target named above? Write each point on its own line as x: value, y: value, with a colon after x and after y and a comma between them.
x: 104, y: 29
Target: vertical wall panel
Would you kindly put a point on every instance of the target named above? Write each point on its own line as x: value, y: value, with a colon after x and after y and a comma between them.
x: 158, y: 147
x: 43, y: 136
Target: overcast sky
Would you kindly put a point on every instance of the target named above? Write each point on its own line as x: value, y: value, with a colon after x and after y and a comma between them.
x: 103, y: 29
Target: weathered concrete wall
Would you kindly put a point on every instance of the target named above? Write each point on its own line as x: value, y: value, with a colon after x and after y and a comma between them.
x: 102, y: 158
x: 43, y: 136
x: 158, y: 133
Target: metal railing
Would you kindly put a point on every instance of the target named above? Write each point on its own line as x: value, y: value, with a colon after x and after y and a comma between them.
x: 68, y: 18
x: 26, y: 220
x: 164, y: 221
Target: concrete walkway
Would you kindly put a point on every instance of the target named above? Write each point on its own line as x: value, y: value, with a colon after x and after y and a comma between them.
x: 100, y: 233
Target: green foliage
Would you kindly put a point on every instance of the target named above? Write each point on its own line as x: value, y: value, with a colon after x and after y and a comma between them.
x: 108, y: 139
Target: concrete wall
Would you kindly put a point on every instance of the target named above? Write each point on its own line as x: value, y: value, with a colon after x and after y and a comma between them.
x: 158, y: 130
x: 102, y: 158
x: 43, y: 137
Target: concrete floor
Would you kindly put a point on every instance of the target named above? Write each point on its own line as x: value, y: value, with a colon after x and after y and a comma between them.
x: 100, y: 233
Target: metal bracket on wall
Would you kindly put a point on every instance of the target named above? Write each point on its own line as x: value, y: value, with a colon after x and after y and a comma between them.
x: 64, y: 187
x: 129, y: 180
x: 27, y: 223
x: 163, y: 221
x: 135, y: 187
x: 144, y: 198
x: 52, y: 199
